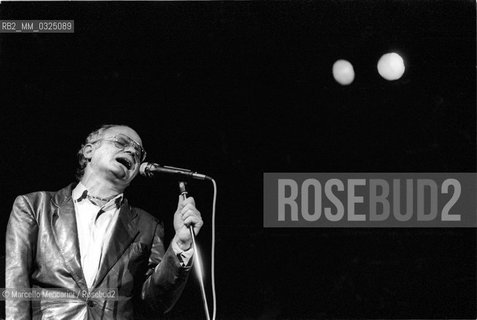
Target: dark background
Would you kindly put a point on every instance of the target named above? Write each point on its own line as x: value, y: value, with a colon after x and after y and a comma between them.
x: 237, y: 89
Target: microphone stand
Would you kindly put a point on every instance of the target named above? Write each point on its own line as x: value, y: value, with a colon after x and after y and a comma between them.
x: 198, y: 268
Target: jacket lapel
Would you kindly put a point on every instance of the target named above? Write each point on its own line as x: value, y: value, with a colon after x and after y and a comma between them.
x: 66, y: 234
x: 123, y: 234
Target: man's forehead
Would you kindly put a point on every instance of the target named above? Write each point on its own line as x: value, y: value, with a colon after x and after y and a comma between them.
x: 123, y: 130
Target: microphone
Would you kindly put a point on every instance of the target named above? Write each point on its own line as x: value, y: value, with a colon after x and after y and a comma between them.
x: 148, y: 169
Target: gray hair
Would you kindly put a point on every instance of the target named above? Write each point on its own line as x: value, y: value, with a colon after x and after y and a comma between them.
x: 92, y: 137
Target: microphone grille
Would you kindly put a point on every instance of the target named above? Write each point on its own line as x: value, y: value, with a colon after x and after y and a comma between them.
x: 144, y: 170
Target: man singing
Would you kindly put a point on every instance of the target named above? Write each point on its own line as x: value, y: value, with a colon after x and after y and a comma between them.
x: 87, y: 239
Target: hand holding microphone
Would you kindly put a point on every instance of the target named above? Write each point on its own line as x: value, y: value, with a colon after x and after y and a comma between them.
x: 186, y: 215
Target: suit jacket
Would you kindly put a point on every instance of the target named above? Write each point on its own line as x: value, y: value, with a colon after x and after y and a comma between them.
x: 42, y: 252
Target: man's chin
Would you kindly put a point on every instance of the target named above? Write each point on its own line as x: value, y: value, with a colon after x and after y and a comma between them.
x: 125, y: 176
x: 120, y: 173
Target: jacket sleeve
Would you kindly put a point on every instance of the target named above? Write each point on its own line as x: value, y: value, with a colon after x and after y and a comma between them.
x: 20, y: 248
x: 166, y: 277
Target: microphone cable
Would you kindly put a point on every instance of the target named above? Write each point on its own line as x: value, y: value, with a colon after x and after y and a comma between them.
x: 198, y: 267
x: 212, y: 258
x: 200, y: 275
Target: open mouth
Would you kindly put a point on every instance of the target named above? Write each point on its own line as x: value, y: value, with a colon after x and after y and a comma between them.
x: 125, y: 162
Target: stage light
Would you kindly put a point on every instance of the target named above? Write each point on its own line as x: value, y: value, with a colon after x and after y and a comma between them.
x: 391, y: 66
x: 343, y: 72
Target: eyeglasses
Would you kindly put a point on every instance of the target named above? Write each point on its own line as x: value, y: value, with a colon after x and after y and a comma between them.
x: 122, y: 142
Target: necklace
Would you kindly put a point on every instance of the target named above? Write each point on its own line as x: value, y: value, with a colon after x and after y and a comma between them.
x: 99, y: 198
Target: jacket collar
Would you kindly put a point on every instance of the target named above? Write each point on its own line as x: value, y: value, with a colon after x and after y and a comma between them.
x: 66, y: 235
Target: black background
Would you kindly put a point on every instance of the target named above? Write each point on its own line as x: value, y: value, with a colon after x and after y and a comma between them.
x: 237, y: 89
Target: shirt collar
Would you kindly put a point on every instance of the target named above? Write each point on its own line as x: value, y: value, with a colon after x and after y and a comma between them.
x: 80, y: 191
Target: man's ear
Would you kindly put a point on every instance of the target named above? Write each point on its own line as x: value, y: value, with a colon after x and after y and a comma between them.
x: 88, y: 151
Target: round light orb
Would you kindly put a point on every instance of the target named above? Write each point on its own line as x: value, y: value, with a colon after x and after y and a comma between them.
x: 343, y: 72
x: 391, y: 66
